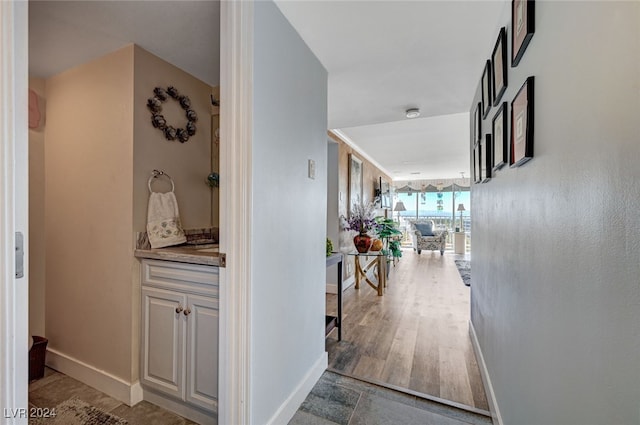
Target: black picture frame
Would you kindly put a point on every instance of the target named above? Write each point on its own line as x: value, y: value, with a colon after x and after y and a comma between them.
x: 484, y: 159
x: 523, y: 26
x: 486, y: 89
x: 477, y: 124
x: 384, y: 194
x: 499, y: 133
x: 522, y: 124
x: 476, y: 169
x: 499, y: 67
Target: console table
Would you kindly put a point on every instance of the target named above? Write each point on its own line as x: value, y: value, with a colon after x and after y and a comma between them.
x: 335, y: 321
x: 379, y: 262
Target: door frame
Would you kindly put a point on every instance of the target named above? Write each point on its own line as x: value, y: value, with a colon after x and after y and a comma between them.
x: 14, y: 217
x: 236, y: 208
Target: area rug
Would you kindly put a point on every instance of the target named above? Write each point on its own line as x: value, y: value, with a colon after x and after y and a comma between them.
x: 464, y: 268
x: 76, y: 412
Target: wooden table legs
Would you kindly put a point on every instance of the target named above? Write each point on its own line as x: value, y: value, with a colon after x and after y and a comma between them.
x: 380, y: 264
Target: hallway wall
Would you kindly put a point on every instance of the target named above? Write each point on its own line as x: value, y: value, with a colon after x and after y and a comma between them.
x: 556, y: 242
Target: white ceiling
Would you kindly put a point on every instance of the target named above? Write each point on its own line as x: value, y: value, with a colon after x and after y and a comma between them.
x: 382, y: 57
x: 63, y: 34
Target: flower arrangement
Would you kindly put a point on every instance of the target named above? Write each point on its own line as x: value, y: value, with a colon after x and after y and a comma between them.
x: 362, y: 218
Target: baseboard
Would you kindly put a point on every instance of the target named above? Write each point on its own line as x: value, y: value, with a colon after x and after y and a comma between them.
x: 290, y: 406
x: 128, y: 393
x: 332, y: 288
x: 486, y: 379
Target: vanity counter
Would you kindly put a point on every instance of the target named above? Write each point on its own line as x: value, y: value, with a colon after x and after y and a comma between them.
x: 206, y: 255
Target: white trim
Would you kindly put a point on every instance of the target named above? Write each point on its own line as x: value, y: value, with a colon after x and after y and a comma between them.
x: 128, y: 393
x: 347, y: 140
x: 287, y: 409
x: 14, y: 293
x: 486, y: 379
x: 236, y: 128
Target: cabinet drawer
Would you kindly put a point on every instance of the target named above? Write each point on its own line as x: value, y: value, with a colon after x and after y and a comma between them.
x: 183, y: 277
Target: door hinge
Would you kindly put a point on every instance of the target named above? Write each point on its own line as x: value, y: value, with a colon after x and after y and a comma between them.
x: 19, y: 255
x: 223, y: 259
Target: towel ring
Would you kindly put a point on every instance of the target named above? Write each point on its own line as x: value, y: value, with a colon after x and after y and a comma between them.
x: 156, y: 174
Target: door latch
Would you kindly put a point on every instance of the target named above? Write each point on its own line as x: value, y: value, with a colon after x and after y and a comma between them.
x: 19, y: 255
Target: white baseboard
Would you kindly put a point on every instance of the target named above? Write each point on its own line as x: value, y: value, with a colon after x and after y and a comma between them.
x: 290, y: 406
x: 486, y: 379
x: 128, y: 393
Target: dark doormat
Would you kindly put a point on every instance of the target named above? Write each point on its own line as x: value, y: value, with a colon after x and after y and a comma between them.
x: 77, y: 412
x: 464, y: 268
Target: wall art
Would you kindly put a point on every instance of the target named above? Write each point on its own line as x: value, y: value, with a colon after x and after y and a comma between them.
x: 486, y: 89
x: 523, y: 22
x: 499, y: 67
x: 154, y: 104
x: 484, y: 160
x: 355, y: 182
x: 500, y: 147
x: 522, y: 125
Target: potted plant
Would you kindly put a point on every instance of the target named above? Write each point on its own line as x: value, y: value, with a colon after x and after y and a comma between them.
x: 362, y: 220
x: 387, y: 230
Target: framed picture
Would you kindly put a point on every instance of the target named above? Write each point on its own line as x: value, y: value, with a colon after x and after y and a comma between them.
x: 523, y: 22
x: 500, y: 146
x: 484, y: 159
x: 385, y: 194
x: 522, y: 125
x: 355, y: 182
x: 486, y: 89
x: 476, y: 169
x: 499, y: 67
x: 477, y: 124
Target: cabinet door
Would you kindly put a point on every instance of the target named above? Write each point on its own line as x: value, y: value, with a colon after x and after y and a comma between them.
x: 202, y: 352
x: 163, y: 340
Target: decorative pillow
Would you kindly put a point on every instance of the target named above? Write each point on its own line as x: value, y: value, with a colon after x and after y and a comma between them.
x: 425, y: 229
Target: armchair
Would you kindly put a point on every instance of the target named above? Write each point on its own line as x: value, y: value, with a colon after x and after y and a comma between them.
x: 424, y: 236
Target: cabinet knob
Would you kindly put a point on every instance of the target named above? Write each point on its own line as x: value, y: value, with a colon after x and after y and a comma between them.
x: 179, y: 309
x: 187, y: 312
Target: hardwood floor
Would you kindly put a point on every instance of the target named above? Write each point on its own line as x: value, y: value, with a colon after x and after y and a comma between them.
x: 416, y: 336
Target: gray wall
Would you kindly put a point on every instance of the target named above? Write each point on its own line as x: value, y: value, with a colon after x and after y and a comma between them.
x: 556, y: 242
x: 289, y: 212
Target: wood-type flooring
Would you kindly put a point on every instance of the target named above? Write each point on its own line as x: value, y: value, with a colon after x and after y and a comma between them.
x: 415, y: 336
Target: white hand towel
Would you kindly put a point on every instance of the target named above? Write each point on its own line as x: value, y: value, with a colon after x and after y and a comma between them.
x: 163, y: 221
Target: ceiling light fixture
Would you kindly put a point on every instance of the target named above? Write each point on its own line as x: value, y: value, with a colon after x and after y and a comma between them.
x: 412, y: 113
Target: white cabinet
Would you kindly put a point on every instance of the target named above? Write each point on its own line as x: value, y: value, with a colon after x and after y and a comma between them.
x: 180, y: 332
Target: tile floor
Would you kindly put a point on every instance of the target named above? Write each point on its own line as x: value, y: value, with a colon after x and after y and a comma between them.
x: 335, y: 399
x: 56, y: 387
x: 338, y: 399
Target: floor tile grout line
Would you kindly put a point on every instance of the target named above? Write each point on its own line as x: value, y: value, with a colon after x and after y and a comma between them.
x: 354, y: 408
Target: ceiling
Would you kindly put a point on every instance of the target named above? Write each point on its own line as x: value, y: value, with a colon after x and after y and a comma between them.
x: 382, y: 57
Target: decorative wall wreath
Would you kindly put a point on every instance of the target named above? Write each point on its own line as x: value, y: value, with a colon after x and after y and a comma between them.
x: 158, y: 121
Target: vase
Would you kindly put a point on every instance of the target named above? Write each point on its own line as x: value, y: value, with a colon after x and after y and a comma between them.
x: 362, y: 242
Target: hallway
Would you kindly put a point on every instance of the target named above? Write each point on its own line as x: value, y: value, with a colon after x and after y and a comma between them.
x: 416, y: 336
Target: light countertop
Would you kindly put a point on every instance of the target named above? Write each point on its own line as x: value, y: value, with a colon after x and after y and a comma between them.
x: 194, y: 254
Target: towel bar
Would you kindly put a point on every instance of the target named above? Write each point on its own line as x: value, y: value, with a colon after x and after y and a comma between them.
x: 157, y: 174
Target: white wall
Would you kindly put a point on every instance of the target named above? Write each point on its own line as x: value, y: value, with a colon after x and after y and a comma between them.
x: 289, y: 212
x: 333, y: 223
x: 556, y: 242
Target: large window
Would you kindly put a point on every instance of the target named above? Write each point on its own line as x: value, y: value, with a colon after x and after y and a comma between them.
x: 439, y: 206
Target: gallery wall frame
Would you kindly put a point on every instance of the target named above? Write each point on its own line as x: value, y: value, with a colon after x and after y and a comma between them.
x: 476, y: 168
x: 499, y: 138
x: 477, y: 124
x: 486, y: 89
x: 355, y: 182
x: 484, y: 160
x: 499, y: 67
x: 522, y: 120
x: 523, y: 23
